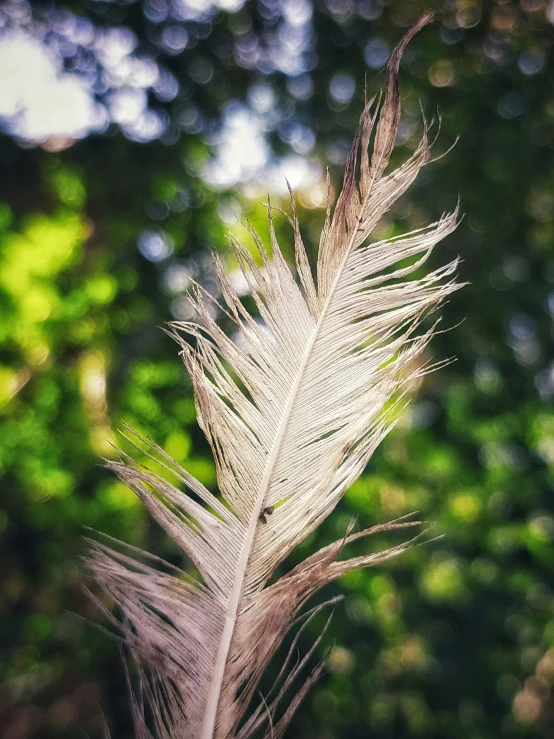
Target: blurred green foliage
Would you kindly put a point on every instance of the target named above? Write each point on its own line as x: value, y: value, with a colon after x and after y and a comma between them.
x: 98, y: 241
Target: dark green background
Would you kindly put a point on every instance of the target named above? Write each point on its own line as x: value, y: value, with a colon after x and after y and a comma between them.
x: 455, y: 639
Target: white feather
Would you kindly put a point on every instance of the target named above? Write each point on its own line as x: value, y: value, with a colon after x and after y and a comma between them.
x: 293, y: 412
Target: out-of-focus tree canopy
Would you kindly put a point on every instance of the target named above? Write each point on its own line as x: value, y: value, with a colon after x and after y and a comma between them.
x: 177, y: 117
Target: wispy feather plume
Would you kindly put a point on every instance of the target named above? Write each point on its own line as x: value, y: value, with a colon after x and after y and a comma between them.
x: 293, y: 413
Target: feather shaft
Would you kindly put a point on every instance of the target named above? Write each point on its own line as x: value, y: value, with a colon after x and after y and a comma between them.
x: 386, y: 132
